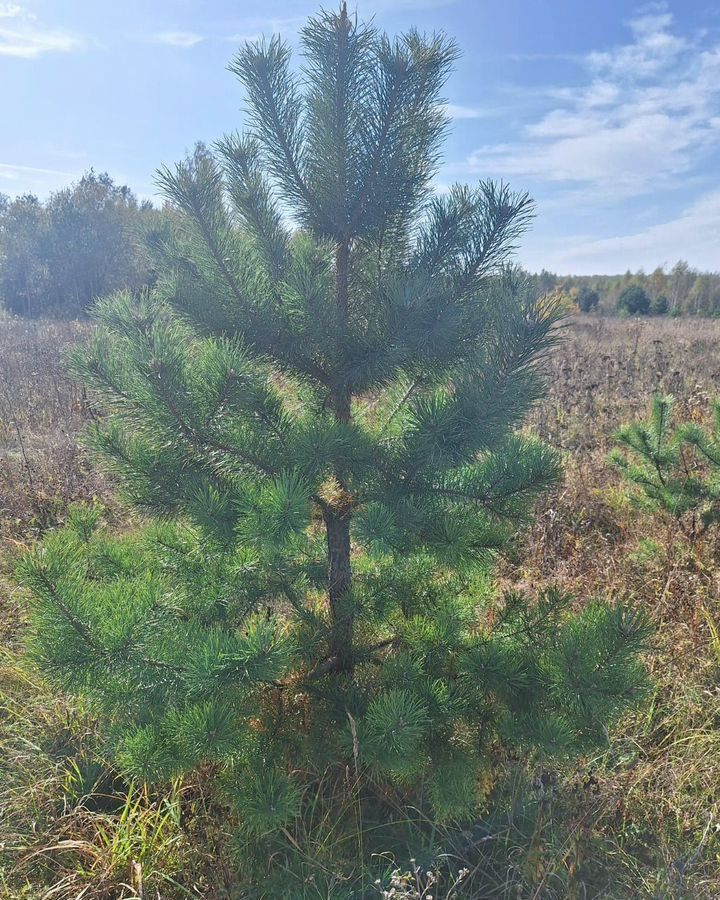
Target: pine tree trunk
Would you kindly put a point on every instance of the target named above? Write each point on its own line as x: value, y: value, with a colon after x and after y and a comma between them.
x: 337, y: 520
x: 339, y: 584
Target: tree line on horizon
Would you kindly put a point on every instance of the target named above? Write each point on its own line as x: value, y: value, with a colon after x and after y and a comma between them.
x: 678, y: 291
x: 59, y: 255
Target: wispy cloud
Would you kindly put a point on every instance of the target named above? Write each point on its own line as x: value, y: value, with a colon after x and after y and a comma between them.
x: 457, y: 111
x: 252, y: 28
x: 552, y: 57
x: 693, y: 235
x: 183, y: 39
x: 12, y: 11
x: 12, y: 172
x: 647, y: 111
x: 22, y: 36
x: 654, y: 49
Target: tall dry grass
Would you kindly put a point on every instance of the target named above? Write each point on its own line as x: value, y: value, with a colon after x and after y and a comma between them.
x: 42, y: 412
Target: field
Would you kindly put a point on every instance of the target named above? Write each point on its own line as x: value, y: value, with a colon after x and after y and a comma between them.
x: 641, y: 820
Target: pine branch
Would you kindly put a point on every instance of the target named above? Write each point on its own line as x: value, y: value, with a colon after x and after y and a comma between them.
x: 263, y: 69
x: 253, y: 201
x: 201, y: 439
x: 38, y: 576
x: 187, y: 189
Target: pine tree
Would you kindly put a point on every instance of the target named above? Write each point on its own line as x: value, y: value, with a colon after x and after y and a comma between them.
x: 587, y: 299
x: 316, y: 410
x: 674, y: 467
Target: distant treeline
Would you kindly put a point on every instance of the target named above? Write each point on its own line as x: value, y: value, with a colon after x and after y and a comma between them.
x: 680, y: 290
x: 58, y: 256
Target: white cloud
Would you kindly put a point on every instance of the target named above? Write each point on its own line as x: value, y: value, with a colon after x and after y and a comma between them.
x: 654, y: 49
x: 646, y: 112
x: 13, y: 11
x: 16, y: 180
x: 22, y: 37
x: 182, y: 39
x: 252, y: 28
x: 11, y: 172
x: 694, y: 235
x: 456, y: 111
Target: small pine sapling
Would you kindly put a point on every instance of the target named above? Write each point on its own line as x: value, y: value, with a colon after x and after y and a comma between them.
x: 675, y: 468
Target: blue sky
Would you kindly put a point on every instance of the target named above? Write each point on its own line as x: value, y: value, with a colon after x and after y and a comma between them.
x: 607, y: 112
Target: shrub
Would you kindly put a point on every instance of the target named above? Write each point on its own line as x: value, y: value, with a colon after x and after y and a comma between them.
x: 634, y: 301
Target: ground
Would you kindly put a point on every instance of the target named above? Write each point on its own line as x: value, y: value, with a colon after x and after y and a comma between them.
x: 640, y: 820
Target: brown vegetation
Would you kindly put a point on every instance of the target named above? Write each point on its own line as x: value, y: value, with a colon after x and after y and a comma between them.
x: 42, y: 413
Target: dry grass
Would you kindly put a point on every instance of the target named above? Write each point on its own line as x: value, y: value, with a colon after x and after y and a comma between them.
x: 649, y: 812
x: 41, y: 414
x: 641, y: 820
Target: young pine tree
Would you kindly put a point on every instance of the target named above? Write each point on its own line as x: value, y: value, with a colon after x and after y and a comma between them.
x: 316, y: 409
x: 674, y: 467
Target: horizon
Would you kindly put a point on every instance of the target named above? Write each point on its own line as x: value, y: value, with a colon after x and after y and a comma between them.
x: 611, y: 123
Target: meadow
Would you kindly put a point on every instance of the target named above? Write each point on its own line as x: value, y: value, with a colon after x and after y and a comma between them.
x: 641, y: 819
